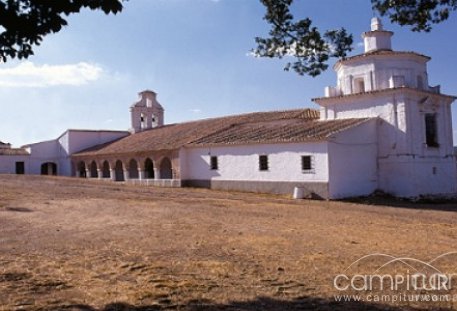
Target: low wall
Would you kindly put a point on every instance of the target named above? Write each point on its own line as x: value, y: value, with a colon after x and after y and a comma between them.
x: 315, y: 190
x: 172, y: 183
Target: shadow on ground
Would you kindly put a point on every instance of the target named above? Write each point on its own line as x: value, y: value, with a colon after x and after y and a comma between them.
x: 435, y: 204
x: 261, y: 303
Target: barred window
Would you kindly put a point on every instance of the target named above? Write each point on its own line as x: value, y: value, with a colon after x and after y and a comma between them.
x: 307, y: 164
x: 263, y: 163
x: 213, y: 163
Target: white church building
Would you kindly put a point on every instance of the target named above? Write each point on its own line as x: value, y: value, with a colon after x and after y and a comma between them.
x: 382, y: 127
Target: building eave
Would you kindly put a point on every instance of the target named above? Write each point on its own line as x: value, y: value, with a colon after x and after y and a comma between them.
x: 324, y: 100
x: 380, y: 54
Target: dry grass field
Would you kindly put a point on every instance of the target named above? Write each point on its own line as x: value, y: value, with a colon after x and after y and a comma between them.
x: 68, y: 244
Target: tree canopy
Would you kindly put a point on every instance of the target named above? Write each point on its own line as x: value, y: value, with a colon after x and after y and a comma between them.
x: 24, y: 23
x: 311, y: 49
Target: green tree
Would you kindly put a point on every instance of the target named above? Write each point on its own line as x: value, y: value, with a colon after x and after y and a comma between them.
x: 311, y: 49
x: 24, y: 23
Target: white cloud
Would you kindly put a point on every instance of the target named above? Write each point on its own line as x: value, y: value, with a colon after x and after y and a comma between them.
x: 195, y: 110
x: 27, y: 74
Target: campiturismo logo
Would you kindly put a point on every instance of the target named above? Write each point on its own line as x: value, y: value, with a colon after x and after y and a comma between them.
x: 398, y: 278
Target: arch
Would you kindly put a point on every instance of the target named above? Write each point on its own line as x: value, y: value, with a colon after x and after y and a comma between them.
x: 166, y: 171
x: 143, y: 121
x: 148, y: 169
x: 81, y: 169
x: 93, y: 170
x: 133, y: 169
x: 106, y: 170
x: 119, y: 171
x: 49, y: 168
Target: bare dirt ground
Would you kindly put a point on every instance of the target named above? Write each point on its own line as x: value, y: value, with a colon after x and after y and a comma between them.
x: 68, y: 244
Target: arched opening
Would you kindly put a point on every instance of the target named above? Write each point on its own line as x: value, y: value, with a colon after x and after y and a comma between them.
x: 148, y: 169
x: 93, y: 170
x: 154, y: 121
x: 49, y: 168
x: 142, y: 121
x: 133, y: 169
x: 81, y: 169
x: 165, y: 169
x: 119, y: 171
x: 105, y: 170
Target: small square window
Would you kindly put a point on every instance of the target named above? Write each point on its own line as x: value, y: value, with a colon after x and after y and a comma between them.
x: 213, y: 163
x: 307, y: 164
x: 263, y: 163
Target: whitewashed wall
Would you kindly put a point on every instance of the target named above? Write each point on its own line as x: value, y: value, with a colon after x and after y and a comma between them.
x: 42, y: 152
x: 353, y: 161
x: 242, y: 162
x: 377, y: 72
x: 77, y: 140
x: 60, y: 149
x: 74, y: 141
x: 406, y: 178
x: 8, y: 163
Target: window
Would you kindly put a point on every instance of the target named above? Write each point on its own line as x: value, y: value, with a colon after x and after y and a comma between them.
x: 20, y: 168
x: 263, y: 163
x: 142, y: 121
x: 359, y: 85
x: 213, y: 163
x: 420, y: 82
x: 306, y: 163
x: 431, y: 131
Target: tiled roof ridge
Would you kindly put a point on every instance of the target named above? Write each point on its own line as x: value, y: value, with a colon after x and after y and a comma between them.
x: 314, y: 114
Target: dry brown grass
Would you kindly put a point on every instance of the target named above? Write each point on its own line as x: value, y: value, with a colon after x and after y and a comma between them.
x: 68, y: 244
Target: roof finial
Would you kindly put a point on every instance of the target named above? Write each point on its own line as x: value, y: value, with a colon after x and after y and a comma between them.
x: 376, y: 24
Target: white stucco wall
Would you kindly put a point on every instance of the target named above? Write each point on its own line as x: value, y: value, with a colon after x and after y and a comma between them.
x: 405, y: 178
x: 377, y: 72
x: 242, y: 162
x: 77, y: 140
x: 405, y: 161
x: 42, y: 152
x: 8, y: 163
x: 353, y: 161
x: 60, y: 149
x: 403, y: 113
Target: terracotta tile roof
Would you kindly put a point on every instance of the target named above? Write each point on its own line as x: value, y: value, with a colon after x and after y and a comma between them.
x: 282, y: 131
x: 13, y: 151
x: 275, y: 126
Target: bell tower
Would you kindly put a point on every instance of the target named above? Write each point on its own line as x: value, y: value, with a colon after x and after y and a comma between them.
x: 146, y: 113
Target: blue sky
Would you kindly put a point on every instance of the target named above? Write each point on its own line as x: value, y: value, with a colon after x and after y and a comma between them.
x: 193, y: 53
